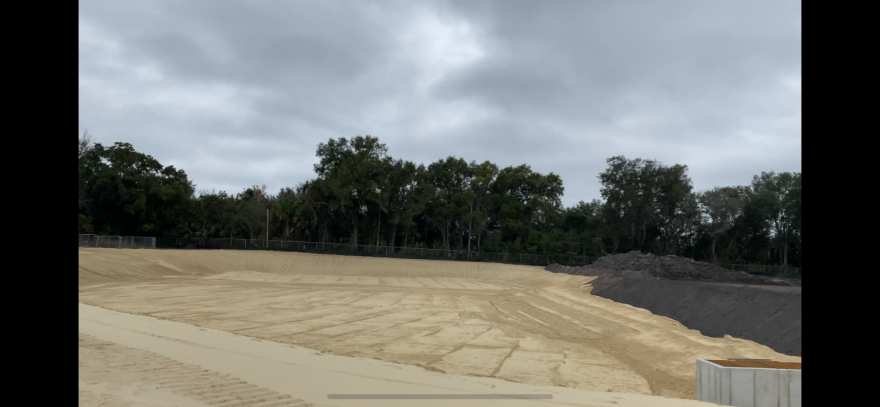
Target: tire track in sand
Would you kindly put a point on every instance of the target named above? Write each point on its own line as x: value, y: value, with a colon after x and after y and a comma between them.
x: 190, y: 381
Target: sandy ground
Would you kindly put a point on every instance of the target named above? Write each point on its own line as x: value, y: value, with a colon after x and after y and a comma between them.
x: 133, y: 360
x: 484, y: 321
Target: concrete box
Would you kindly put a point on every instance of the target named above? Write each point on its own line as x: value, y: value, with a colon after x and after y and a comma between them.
x: 748, y: 387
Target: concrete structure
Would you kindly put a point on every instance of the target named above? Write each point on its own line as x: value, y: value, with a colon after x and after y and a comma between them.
x: 744, y: 383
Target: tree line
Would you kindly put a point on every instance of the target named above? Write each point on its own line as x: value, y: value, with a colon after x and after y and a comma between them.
x: 361, y: 195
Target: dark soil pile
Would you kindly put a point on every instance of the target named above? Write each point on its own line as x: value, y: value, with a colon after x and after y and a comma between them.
x: 679, y: 268
x: 702, y: 296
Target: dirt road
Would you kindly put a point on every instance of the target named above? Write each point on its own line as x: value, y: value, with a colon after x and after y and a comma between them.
x: 517, y: 323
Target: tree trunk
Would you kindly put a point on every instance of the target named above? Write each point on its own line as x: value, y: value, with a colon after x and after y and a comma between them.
x: 470, y: 228
x: 784, y: 249
x: 714, y: 239
x: 449, y: 235
x: 393, y: 234
x: 445, y: 232
x: 784, y: 255
x: 643, y: 236
x: 460, y: 239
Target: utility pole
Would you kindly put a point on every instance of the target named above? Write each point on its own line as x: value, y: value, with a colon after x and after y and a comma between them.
x: 267, y: 228
x: 470, y: 225
x: 378, y: 230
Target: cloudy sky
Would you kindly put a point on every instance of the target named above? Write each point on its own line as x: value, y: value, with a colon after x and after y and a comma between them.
x: 241, y: 92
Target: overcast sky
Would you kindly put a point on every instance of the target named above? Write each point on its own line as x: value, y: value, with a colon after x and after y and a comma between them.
x: 240, y: 92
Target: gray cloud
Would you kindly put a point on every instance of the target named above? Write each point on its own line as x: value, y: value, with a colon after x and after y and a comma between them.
x: 240, y: 93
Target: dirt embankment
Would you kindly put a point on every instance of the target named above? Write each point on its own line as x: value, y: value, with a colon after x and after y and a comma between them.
x: 702, y: 296
x: 517, y: 323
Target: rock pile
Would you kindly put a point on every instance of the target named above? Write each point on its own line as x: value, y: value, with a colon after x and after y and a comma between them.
x: 676, y: 287
x: 672, y: 268
x: 640, y: 265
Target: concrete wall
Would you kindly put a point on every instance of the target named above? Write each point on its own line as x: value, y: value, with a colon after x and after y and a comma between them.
x: 748, y: 387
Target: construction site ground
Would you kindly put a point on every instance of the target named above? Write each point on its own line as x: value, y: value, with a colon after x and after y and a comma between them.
x: 235, y: 327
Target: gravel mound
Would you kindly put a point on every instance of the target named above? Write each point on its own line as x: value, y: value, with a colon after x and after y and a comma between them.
x: 702, y: 296
x: 666, y: 268
x: 674, y: 268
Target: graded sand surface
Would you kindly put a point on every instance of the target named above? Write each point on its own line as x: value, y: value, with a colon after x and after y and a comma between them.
x: 488, y: 321
x: 133, y: 360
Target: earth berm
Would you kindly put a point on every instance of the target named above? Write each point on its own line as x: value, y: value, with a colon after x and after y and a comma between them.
x: 702, y: 296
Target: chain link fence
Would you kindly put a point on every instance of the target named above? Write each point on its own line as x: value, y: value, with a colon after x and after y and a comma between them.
x: 379, y: 251
x: 373, y: 250
x: 120, y: 242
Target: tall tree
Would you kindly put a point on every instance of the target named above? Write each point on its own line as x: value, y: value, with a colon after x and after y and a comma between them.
x: 352, y: 171
x: 253, y: 204
x: 401, y: 198
x: 674, y: 204
x: 484, y: 198
x: 721, y: 207
x: 130, y: 193
x: 215, y: 214
x: 585, y: 221
x: 451, y: 178
x: 527, y: 200
x: 646, y: 205
x: 778, y: 194
x: 288, y: 209
x: 628, y: 187
x: 419, y: 194
x: 316, y: 198
x: 86, y: 142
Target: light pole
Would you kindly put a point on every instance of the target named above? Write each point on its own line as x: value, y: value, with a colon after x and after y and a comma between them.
x: 267, y: 228
x: 470, y: 225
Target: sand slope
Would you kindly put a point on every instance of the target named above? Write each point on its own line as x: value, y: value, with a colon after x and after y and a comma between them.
x: 518, y: 323
x: 129, y: 359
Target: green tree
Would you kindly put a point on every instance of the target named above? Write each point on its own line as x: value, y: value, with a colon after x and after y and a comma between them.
x: 402, y: 195
x: 419, y: 193
x: 675, y: 205
x: 628, y: 188
x: 484, y: 201
x: 779, y: 196
x: 86, y: 143
x: 648, y: 206
x: 528, y: 202
x: 451, y: 178
x: 130, y: 193
x: 289, y: 210
x: 585, y: 222
x: 352, y: 171
x: 253, y: 204
x: 721, y: 207
x: 319, y: 214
